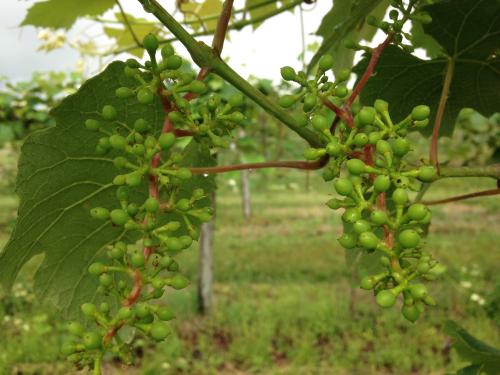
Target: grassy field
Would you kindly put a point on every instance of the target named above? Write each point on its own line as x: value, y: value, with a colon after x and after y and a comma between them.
x: 285, y: 301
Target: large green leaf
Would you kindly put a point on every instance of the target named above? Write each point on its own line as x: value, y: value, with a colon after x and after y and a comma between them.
x: 346, y: 21
x: 484, y: 358
x: 64, y: 13
x: 60, y: 178
x: 469, y: 33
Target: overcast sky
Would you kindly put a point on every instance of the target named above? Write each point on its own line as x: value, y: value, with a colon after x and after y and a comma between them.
x: 276, y: 43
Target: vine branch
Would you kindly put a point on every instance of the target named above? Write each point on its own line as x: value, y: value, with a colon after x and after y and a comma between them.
x: 127, y: 24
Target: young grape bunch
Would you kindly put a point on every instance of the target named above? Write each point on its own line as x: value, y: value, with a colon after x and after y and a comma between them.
x: 140, y: 265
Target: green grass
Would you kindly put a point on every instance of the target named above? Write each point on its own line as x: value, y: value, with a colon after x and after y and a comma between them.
x: 284, y: 302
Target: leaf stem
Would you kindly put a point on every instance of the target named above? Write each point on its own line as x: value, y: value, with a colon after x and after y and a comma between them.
x: 294, y: 164
x: 476, y: 194
x: 128, y: 25
x: 433, y: 153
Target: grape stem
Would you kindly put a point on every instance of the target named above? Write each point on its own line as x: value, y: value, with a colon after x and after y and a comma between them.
x: 476, y: 194
x: 128, y: 25
x: 294, y: 164
x: 433, y: 152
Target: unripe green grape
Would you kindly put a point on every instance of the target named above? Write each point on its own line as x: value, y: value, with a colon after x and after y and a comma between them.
x: 409, y: 238
x: 420, y: 113
x: 286, y: 101
x: 381, y: 105
x: 385, y: 298
x: 104, y: 307
x: 410, y: 312
x: 334, y: 149
x: 173, y: 62
x: 184, y: 173
x: 356, y: 166
x: 68, y: 348
x: 133, y: 179
x: 105, y: 279
x: 417, y: 211
x: 145, y: 95
x: 198, y: 87
x: 400, y: 147
x: 423, y: 267
x: 311, y: 154
x: 379, y: 217
x: 427, y: 173
x: 374, y: 137
x: 151, y: 204
x: 334, y: 203
x: 341, y: 91
x: 418, y: 124
x: 367, y: 283
x: 186, y: 241
x: 120, y: 162
x: 150, y: 43
x: 320, y: 123
x: 236, y: 117
x: 92, y: 340
x: 92, y: 124
x: 76, y: 329
x: 159, y: 331
x: 382, y: 183
x: 427, y: 218
x: 119, y: 217
x: 347, y: 240
x: 173, y: 266
x: 236, y: 100
x: 325, y: 62
x: 117, y: 142
x: 124, y: 313
x: 383, y: 147
x: 198, y: 194
x: 138, y: 149
x: 137, y: 260
x: 95, y: 269
x: 173, y: 244
x: 88, y: 309
x: 393, y: 14
x: 343, y: 186
x: 366, y: 116
x: 361, y: 226
x: 141, y: 310
x: 360, y: 139
x: 109, y: 112
x: 351, y: 215
x: 183, y: 205
x: 166, y: 140
x: 165, y: 314
x: 104, y: 143
x: 99, y: 213
x: 400, y: 197
x: 124, y: 92
x: 368, y: 240
x: 418, y: 291
x: 116, y: 253
x: 178, y: 282
x: 310, y: 101
x: 141, y: 125
x: 343, y: 75
x: 119, y: 180
x: 288, y: 73
x: 167, y: 50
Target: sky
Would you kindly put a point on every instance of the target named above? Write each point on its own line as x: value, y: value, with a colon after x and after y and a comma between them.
x: 260, y: 53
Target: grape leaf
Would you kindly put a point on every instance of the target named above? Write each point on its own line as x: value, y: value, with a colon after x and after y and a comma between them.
x: 346, y: 21
x: 62, y: 14
x: 61, y: 178
x: 482, y: 356
x: 468, y: 32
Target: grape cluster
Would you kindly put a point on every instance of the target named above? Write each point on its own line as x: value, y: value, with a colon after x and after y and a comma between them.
x: 378, y: 214
x: 141, y: 266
